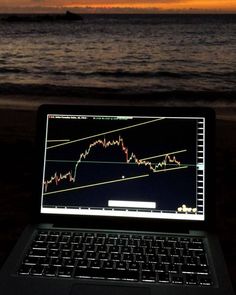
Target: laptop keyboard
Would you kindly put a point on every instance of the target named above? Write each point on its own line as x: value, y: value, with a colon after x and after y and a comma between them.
x: 112, y: 256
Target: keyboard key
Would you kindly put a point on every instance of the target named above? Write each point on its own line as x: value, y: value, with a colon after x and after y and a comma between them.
x: 141, y: 258
x: 108, y: 264
x: 37, y: 270
x: 196, y: 246
x: 163, y: 277
x: 24, y: 269
x: 134, y: 266
x: 65, y: 271
x: 95, y: 264
x: 191, y: 269
x: 115, y: 257
x: 173, y: 268
x: 147, y: 266
x: 120, y: 265
x: 191, y: 279
x: 54, y: 253
x: 82, y: 264
x: 148, y: 276
x: 69, y: 262
x: 103, y: 256
x: 50, y: 271
x: 90, y: 255
x: 114, y: 274
x: 114, y: 249
x: 45, y: 261
x: 78, y: 255
x: 40, y: 245
x: 205, y: 281
x: 56, y: 261
x: 37, y: 253
x: 31, y: 260
x: 177, y: 279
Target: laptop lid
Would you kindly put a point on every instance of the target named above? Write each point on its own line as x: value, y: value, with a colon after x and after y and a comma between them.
x: 138, y: 167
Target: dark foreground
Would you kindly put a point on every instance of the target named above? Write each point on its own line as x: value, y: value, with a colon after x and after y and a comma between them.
x: 17, y: 140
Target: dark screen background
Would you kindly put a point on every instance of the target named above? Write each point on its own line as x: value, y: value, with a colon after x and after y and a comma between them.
x: 102, y: 174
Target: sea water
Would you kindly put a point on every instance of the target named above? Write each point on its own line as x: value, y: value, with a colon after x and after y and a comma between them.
x: 133, y: 53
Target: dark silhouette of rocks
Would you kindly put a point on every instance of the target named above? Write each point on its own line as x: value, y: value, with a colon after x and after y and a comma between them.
x: 68, y: 16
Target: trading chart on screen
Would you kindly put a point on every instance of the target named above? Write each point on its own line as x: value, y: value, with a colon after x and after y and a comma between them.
x: 140, y: 166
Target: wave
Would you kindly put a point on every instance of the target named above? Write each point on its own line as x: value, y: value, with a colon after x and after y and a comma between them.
x: 119, y: 73
x: 51, y: 90
x: 13, y: 70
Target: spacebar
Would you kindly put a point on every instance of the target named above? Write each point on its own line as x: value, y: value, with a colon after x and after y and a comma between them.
x: 110, y: 274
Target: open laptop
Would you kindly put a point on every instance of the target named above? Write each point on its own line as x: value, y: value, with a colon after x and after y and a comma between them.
x: 124, y: 205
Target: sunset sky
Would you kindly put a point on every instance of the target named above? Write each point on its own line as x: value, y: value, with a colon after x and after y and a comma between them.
x: 119, y: 5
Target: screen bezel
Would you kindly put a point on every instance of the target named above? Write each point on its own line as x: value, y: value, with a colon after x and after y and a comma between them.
x: 121, y: 222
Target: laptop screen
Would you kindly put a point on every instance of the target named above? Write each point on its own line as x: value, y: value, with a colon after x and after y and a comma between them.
x: 124, y: 165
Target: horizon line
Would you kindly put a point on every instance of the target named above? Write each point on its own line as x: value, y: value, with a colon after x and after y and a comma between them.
x: 113, y: 10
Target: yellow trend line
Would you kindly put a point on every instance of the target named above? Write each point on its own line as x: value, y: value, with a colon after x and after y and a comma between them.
x: 107, y: 132
x: 163, y: 155
x: 96, y: 184
x: 168, y: 169
x: 57, y: 140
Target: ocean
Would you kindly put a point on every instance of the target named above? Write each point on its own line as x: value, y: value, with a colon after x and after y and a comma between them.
x: 123, y: 53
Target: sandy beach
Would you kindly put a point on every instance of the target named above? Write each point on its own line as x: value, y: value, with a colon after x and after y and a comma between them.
x: 222, y: 102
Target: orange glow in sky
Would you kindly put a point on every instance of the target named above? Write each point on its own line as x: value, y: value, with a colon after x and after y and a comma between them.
x: 181, y: 5
x: 161, y: 4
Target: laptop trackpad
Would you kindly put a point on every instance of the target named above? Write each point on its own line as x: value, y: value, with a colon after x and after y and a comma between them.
x: 107, y: 290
